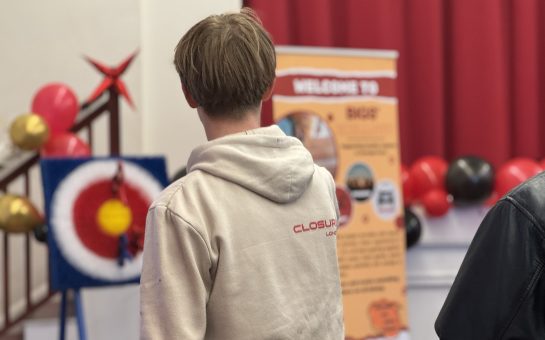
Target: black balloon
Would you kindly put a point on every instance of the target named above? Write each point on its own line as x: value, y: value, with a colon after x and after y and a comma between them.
x: 413, y: 228
x: 469, y: 180
x: 40, y: 233
x: 179, y: 174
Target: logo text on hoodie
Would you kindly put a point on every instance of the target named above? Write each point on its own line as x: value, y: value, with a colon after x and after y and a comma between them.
x: 316, y: 225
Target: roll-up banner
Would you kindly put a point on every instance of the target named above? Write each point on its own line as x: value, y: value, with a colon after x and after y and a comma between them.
x: 341, y: 103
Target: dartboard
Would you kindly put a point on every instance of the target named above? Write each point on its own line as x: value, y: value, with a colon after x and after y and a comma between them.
x: 97, y: 217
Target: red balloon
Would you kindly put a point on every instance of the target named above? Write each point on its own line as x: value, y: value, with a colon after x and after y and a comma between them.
x: 492, y: 199
x: 58, y: 105
x: 66, y: 145
x: 407, y: 183
x: 436, y: 202
x: 514, y: 172
x: 427, y: 173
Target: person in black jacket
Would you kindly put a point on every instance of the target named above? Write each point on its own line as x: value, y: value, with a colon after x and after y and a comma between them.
x: 499, y: 292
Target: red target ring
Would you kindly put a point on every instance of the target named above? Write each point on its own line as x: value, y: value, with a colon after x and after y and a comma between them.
x: 86, y: 208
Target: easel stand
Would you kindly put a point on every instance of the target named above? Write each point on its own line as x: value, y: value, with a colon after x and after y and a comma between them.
x: 79, y: 315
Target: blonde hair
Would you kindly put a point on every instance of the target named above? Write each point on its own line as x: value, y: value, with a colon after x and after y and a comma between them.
x: 227, y: 62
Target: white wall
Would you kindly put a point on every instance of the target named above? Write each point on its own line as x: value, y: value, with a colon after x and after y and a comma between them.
x: 170, y: 126
x: 44, y: 41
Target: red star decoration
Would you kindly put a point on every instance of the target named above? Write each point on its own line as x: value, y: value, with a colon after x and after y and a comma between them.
x: 112, y: 78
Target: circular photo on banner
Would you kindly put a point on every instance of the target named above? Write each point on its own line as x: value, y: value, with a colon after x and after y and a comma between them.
x: 386, y: 200
x: 360, y: 181
x: 345, y: 206
x: 315, y: 135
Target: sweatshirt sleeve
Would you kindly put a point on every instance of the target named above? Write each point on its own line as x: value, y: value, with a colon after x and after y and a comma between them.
x: 499, y: 290
x: 175, y: 281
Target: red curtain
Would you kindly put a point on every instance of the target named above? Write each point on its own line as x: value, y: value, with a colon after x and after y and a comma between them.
x: 470, y: 77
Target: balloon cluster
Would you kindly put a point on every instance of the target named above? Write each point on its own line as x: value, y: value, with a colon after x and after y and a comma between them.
x: 424, y: 183
x: 46, y: 127
x: 436, y: 185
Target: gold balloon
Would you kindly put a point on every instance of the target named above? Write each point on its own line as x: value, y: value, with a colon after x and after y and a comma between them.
x: 29, y: 131
x: 18, y: 215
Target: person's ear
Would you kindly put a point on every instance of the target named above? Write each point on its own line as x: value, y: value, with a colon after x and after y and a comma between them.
x: 189, y: 98
x: 267, y: 95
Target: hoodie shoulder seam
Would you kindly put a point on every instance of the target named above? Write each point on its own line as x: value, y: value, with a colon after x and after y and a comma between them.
x: 189, y: 225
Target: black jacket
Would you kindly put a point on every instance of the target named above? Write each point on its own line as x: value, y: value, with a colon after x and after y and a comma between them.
x: 499, y: 292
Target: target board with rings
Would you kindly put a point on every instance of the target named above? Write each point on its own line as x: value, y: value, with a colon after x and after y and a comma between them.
x: 96, y: 213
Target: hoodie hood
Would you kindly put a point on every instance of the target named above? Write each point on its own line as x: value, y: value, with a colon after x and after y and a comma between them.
x: 264, y: 160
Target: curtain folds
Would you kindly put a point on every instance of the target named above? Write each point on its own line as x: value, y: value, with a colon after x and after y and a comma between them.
x: 471, y: 80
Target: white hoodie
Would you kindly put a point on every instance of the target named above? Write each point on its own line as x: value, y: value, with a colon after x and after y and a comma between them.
x: 244, y: 247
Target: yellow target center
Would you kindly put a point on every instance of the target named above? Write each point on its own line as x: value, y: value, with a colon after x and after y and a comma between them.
x: 114, y: 217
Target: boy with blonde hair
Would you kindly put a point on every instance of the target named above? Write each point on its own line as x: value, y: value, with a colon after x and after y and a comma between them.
x: 243, y: 246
